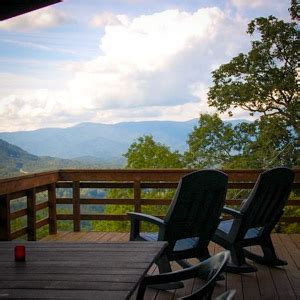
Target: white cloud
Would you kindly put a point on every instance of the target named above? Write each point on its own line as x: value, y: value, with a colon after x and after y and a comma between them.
x: 36, y: 20
x: 155, y: 59
x: 107, y: 18
x: 150, y: 67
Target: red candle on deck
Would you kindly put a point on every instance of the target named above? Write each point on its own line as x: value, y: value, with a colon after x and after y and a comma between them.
x: 20, y: 253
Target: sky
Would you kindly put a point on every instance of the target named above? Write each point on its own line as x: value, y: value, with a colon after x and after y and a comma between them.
x: 112, y: 61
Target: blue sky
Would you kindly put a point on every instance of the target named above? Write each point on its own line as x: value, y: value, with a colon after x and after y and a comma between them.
x: 112, y: 61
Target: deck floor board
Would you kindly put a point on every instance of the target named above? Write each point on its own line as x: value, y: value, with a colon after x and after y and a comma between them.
x: 267, y: 283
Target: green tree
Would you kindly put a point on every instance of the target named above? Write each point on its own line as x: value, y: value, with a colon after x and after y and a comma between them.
x: 146, y: 153
x: 295, y: 10
x: 263, y: 80
x: 263, y: 144
x: 260, y: 144
x: 211, y: 143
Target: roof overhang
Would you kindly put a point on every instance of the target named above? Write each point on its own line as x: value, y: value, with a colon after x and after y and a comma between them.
x: 13, y: 8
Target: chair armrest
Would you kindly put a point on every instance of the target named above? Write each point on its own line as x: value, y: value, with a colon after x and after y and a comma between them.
x: 160, y: 279
x: 233, y: 212
x: 210, y: 268
x: 136, y: 218
x: 144, y: 217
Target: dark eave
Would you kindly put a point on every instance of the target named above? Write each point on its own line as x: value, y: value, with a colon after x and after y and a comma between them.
x: 13, y: 8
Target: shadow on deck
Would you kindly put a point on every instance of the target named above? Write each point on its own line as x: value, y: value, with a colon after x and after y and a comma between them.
x: 267, y: 283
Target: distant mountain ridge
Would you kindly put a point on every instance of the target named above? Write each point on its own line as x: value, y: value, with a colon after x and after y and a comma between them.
x: 14, y: 161
x: 105, y: 142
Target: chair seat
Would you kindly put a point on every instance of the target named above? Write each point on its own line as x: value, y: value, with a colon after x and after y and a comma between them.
x: 225, y: 227
x: 181, y: 245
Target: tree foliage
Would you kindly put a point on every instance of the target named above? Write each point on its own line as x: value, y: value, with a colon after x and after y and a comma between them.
x: 263, y: 80
x: 260, y: 144
x: 146, y: 153
x: 295, y: 10
x: 211, y: 143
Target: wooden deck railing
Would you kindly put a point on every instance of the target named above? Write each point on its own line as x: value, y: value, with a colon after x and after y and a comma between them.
x: 30, y: 186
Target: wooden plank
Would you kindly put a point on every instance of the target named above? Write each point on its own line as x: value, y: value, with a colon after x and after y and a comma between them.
x: 64, y: 200
x: 105, y: 201
x: 233, y: 281
x: 292, y: 255
x: 26, y: 182
x: 69, y: 294
x: 296, y: 239
x: 21, y: 194
x: 155, y: 201
x: 137, y: 196
x: 123, y: 175
x: 22, y: 183
x: 52, y: 209
x: 64, y: 217
x: 42, y: 205
x: 107, y: 185
x: 66, y: 285
x: 159, y: 185
x: 144, y: 201
x: 91, y: 236
x: 104, y: 217
x: 96, y: 185
x: 265, y: 281
x: 13, y: 276
x: 221, y: 284
x: 31, y: 215
x: 42, y: 223
x: 280, y: 278
x: 5, y: 227
x: 18, y: 233
x: 250, y: 286
x: 39, y: 259
x: 76, y: 205
x: 19, y: 213
x: 81, y: 267
x: 264, y: 276
x: 290, y: 219
x: 55, y: 237
x: 74, y: 236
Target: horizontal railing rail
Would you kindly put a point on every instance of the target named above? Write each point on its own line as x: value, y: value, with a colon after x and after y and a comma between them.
x: 29, y: 187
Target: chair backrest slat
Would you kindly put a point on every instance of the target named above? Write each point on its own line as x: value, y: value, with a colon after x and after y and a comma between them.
x: 197, y: 205
x: 268, y: 197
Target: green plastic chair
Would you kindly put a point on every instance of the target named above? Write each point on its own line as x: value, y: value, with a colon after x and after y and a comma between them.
x: 253, y: 223
x: 191, y: 220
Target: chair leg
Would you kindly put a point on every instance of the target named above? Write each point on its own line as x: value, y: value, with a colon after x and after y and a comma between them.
x: 269, y: 257
x: 164, y: 266
x: 238, y: 263
x: 204, y: 255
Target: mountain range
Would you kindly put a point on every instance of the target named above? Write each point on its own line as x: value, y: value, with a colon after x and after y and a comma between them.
x: 103, y: 142
x: 86, y: 145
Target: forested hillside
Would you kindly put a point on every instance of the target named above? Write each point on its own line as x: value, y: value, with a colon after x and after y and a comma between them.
x: 14, y: 161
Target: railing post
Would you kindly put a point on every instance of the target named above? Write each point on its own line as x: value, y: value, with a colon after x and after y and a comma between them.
x: 31, y: 214
x: 52, y: 208
x: 137, y: 196
x: 5, y: 227
x: 76, y: 205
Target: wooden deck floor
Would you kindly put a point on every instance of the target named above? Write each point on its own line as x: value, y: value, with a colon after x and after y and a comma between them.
x: 267, y: 283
